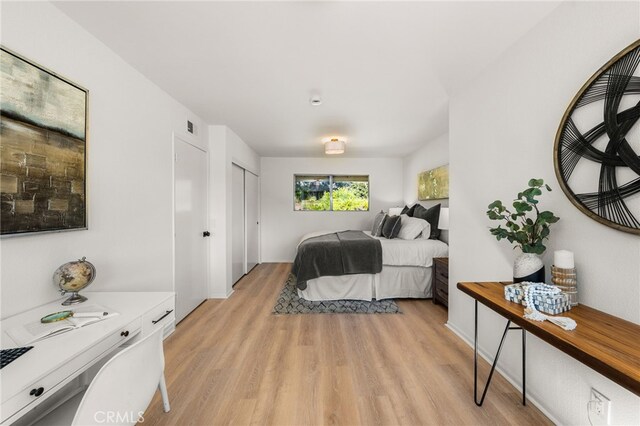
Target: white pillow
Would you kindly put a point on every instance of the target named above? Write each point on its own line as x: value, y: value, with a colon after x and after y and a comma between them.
x: 411, y: 227
x: 426, y: 232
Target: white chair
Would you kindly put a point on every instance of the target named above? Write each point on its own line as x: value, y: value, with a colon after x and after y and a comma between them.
x: 121, y: 391
x: 123, y: 388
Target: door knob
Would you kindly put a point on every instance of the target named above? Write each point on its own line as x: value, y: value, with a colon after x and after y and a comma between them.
x: 36, y: 392
x: 206, y: 234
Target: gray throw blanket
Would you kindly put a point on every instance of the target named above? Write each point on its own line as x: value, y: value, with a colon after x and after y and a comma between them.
x: 338, y: 253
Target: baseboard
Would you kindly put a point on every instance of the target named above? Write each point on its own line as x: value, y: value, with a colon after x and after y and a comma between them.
x: 221, y: 295
x: 508, y: 377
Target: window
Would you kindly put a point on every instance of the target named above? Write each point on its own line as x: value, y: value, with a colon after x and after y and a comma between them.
x: 331, y: 193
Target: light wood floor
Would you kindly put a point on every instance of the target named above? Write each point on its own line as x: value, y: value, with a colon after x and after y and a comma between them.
x: 233, y: 362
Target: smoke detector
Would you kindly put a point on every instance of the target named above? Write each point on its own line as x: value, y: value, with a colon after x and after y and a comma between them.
x: 315, y: 100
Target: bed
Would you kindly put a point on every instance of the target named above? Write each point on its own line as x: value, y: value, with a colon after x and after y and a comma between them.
x: 406, y: 273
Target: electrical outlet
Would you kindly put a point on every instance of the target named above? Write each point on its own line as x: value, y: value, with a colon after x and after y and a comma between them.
x: 599, y: 408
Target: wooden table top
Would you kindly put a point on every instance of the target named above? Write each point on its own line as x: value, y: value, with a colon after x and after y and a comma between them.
x: 608, y: 344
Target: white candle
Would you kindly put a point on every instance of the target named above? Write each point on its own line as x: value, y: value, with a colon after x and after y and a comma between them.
x: 563, y: 259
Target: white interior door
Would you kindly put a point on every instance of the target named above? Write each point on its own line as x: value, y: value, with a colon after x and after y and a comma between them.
x: 252, y: 216
x: 190, y: 192
x: 237, y: 224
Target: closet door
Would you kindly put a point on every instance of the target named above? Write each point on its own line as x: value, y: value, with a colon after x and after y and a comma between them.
x: 237, y: 224
x: 190, y: 220
x: 252, y: 216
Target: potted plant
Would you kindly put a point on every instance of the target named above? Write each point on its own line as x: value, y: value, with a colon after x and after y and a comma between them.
x: 527, y: 227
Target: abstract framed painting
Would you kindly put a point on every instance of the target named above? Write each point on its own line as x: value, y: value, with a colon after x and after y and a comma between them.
x: 43, y: 149
x: 434, y: 184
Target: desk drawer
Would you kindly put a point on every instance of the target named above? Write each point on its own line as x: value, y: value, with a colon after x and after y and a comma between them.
x: 47, y: 386
x: 161, y: 316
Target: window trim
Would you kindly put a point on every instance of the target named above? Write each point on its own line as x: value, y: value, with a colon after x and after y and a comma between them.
x: 331, y: 176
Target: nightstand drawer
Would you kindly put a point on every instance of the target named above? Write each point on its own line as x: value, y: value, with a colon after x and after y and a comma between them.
x: 442, y: 296
x: 441, y: 280
x: 443, y: 286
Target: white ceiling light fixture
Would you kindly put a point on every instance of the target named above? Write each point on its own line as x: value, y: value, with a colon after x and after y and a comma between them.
x: 334, y: 146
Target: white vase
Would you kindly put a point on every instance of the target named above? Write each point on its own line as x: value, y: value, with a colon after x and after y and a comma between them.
x: 528, y: 267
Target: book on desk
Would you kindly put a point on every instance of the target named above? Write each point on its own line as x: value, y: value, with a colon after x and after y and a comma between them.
x: 36, y: 330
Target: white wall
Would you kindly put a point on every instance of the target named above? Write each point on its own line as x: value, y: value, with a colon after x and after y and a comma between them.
x: 502, y: 129
x: 432, y: 154
x: 282, y: 227
x: 129, y: 169
x: 225, y: 148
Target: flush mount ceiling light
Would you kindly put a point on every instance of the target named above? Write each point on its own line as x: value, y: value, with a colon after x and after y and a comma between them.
x: 334, y: 146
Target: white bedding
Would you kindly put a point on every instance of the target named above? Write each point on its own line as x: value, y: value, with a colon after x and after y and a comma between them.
x: 418, y: 252
x: 397, y: 252
x: 393, y: 282
x: 406, y: 272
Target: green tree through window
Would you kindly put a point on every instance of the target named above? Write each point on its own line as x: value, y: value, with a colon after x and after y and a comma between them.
x: 329, y: 192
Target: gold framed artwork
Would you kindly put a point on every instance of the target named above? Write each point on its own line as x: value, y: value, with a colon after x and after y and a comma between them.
x: 43, y: 137
x: 434, y: 184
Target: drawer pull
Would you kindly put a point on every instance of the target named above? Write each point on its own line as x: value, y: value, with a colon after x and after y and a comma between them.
x: 125, y: 333
x: 162, y: 317
x: 36, y: 392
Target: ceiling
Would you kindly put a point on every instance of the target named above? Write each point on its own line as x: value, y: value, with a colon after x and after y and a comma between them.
x: 384, y: 70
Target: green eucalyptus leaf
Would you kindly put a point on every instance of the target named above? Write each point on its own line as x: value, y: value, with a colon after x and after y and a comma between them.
x: 522, y: 206
x: 536, y: 183
x: 495, y: 204
x: 526, y: 226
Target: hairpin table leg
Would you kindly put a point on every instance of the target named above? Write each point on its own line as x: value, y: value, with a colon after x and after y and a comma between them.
x: 495, y: 361
x: 524, y: 367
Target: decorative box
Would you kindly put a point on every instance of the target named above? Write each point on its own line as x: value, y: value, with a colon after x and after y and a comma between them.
x: 550, y: 304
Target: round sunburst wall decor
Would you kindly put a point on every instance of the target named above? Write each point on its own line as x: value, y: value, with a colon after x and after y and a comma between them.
x: 597, y: 147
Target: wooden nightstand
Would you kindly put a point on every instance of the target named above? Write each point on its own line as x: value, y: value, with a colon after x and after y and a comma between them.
x: 440, y: 282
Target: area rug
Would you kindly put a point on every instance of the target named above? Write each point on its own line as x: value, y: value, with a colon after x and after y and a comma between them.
x: 290, y: 303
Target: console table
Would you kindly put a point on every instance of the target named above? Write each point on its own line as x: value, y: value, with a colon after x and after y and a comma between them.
x: 607, y: 344
x: 55, y: 362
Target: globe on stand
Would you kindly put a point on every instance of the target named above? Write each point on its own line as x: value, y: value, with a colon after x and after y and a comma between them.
x: 73, y: 277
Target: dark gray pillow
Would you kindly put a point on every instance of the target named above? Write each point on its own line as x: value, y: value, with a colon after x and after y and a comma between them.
x: 378, y: 222
x: 391, y: 227
x: 411, y: 211
x: 404, y: 210
x: 432, y: 216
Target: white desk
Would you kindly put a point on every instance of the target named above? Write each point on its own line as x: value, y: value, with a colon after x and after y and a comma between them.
x: 56, y: 361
